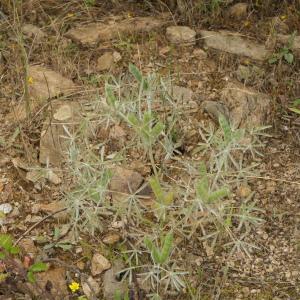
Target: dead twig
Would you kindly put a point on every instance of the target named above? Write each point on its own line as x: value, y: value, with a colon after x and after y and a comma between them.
x: 36, y: 224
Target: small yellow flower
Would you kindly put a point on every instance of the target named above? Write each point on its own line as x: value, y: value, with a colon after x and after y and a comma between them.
x: 30, y: 80
x: 70, y: 15
x: 74, y: 286
x: 247, y: 23
x: 283, y: 17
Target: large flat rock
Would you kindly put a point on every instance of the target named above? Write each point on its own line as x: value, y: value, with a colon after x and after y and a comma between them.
x: 234, y: 43
x: 43, y: 84
x: 64, y: 118
x: 93, y: 33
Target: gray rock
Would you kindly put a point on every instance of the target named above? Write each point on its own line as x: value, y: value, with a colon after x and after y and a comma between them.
x: 6, y: 208
x: 124, y: 182
x: 215, y: 110
x: 105, y: 61
x: 99, y: 264
x: 111, y: 285
x: 92, y: 34
x: 181, y: 94
x: 247, y: 107
x: 181, y: 35
x: 91, y: 288
x: 232, y: 42
x: 53, y: 144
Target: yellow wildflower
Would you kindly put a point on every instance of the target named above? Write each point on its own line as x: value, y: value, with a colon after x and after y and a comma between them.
x: 247, y: 23
x: 30, y: 80
x: 283, y: 17
x: 74, y: 286
x: 70, y: 15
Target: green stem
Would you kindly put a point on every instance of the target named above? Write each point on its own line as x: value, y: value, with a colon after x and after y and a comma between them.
x: 150, y: 152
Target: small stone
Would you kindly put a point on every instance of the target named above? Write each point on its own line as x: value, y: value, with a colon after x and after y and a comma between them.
x: 244, y: 191
x: 15, y: 212
x: 200, y: 54
x: 80, y: 265
x: 52, y: 208
x: 238, y: 11
x: 4, y: 161
x: 33, y: 219
x: 124, y: 182
x: 53, y: 178
x: 181, y: 35
x: 182, y: 94
x: 111, y: 239
x: 28, y: 246
x: 91, y: 287
x: 215, y: 110
x: 57, y: 279
x: 246, y: 291
x: 165, y: 50
x: 35, y: 175
x: 99, y: 264
x: 117, y: 56
x: 78, y: 250
x: 6, y: 208
x: 117, y: 132
x: 33, y: 32
x: 105, y: 62
x: 63, y: 113
x: 118, y: 224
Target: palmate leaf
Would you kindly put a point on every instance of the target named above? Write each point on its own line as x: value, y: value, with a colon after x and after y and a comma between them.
x: 289, y: 57
x: 138, y: 76
x: 217, y: 195
x: 31, y: 277
x: 153, y: 250
x: 295, y: 110
x: 109, y: 95
x: 133, y: 121
x: 157, y: 130
x: 135, y: 72
x: 296, y: 102
x: 38, y: 267
x: 202, y: 186
x: 160, y: 256
x: 167, y: 247
x: 157, y: 190
x: 160, y: 195
x: 6, y: 241
x: 227, y: 132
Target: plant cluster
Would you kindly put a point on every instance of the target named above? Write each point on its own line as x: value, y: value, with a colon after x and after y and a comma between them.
x: 202, y: 210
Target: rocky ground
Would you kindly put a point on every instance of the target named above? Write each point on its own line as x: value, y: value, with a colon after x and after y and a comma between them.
x: 84, y: 134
